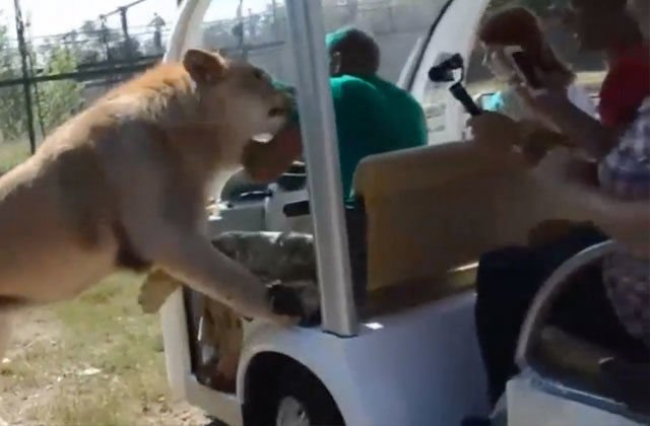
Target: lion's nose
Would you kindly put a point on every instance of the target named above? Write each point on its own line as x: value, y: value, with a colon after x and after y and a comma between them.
x: 284, y: 106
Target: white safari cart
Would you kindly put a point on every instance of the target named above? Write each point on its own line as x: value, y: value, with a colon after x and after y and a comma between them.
x: 408, y: 356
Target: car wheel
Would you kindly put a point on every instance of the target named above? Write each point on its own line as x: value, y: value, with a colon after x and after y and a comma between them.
x: 294, y: 397
x: 302, y: 400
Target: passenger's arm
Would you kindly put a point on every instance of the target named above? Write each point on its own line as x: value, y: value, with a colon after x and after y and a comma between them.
x: 495, y: 132
x: 587, y: 132
x: 538, y: 140
x: 577, y: 125
x: 628, y: 222
x: 499, y: 134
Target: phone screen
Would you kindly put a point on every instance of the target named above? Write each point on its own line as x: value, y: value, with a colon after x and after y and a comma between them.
x: 526, y: 67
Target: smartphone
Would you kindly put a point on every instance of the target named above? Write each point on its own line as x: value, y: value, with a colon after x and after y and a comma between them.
x: 524, y: 67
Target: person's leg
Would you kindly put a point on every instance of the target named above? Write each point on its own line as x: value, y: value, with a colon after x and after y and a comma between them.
x: 355, y: 220
x: 507, y: 283
x: 586, y: 311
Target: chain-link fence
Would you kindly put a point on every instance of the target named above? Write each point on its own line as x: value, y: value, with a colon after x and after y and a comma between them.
x: 263, y: 39
x: 270, y: 26
x: 44, y: 80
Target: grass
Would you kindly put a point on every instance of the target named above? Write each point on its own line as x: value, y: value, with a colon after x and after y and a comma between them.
x: 126, y: 347
x: 94, y: 361
x: 12, y: 154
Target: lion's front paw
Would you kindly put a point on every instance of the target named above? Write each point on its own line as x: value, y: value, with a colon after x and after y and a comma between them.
x: 296, y: 299
x: 155, y: 291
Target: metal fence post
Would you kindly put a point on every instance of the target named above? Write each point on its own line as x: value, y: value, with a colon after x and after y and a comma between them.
x: 22, y: 47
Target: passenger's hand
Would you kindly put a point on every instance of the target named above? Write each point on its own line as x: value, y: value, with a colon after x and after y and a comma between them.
x: 561, y: 170
x: 551, y: 171
x: 539, y: 141
x: 156, y: 289
x: 495, y: 131
x: 548, y: 99
x: 573, y: 180
x: 554, y: 83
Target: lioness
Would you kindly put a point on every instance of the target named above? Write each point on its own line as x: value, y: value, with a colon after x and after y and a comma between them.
x: 124, y: 183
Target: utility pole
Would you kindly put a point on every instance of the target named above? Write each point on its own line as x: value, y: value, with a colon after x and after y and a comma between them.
x: 104, y: 32
x: 238, y: 30
x: 22, y: 48
x: 276, y: 32
x: 125, y: 31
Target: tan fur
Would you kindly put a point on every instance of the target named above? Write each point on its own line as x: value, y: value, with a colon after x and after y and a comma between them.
x: 130, y: 175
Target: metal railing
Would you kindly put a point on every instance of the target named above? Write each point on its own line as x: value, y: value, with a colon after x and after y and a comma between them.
x: 554, y: 286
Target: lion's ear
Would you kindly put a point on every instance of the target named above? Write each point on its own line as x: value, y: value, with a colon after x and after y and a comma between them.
x: 205, y: 67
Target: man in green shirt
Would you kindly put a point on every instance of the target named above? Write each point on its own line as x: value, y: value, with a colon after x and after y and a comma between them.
x: 373, y: 116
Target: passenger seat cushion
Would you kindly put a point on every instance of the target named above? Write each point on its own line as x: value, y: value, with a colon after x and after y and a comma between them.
x: 507, y: 281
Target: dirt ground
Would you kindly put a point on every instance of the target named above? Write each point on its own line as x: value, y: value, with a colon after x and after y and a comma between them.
x: 96, y: 360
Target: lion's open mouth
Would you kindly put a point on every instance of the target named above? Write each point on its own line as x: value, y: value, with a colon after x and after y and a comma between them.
x: 277, y: 112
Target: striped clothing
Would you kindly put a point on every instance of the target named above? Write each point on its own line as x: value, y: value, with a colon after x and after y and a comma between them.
x: 625, y: 174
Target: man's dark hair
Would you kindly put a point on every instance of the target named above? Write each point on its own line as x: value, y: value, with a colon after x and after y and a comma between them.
x: 359, y: 53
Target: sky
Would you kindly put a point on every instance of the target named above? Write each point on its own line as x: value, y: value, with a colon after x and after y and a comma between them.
x: 60, y: 16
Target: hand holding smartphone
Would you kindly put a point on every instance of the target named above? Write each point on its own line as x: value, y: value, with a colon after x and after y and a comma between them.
x: 525, y: 69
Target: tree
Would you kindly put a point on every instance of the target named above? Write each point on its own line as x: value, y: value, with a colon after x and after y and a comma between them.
x: 96, y: 41
x: 125, y: 50
x: 61, y: 99
x: 12, y: 106
x: 84, y: 49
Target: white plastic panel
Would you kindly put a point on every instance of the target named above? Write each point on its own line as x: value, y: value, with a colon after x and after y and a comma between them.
x: 455, y: 34
x: 528, y: 405
x: 417, y: 368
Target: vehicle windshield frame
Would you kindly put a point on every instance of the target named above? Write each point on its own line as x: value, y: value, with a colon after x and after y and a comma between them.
x: 318, y: 128
x: 320, y: 144
x: 425, y: 45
